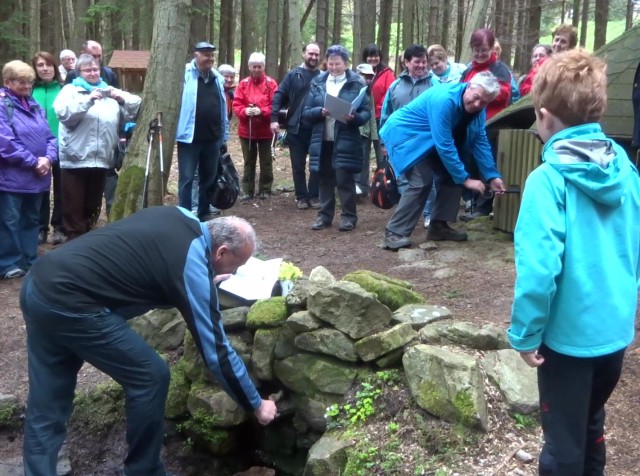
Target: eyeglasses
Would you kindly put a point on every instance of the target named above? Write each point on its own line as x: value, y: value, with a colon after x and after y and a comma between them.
x: 90, y: 70
x: 480, y: 51
x: 22, y: 82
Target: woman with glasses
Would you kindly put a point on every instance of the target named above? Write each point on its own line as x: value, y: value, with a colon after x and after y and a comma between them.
x: 485, y: 59
x: 539, y: 54
x: 45, y: 91
x: 28, y: 150
x: 90, y: 112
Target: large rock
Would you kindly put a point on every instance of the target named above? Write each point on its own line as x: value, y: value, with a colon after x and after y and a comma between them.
x: 303, y: 321
x: 377, y: 345
x: 393, y: 293
x: 328, y: 456
x: 162, y: 329
x: 215, y: 405
x: 467, y: 334
x: 270, y: 312
x: 235, y: 318
x: 312, y: 410
x: 419, y: 315
x: 310, y: 374
x: 321, y: 275
x: 179, y: 388
x: 516, y: 380
x: 329, y: 342
x: 349, y: 308
x: 242, y: 343
x: 297, y: 299
x: 285, y: 346
x: 264, y: 342
x: 446, y: 384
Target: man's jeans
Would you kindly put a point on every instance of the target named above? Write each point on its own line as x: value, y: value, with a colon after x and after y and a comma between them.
x: 298, y: 150
x: 203, y: 156
x: 19, y: 226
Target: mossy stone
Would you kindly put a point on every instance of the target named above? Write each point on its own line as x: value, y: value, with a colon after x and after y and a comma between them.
x: 391, y: 292
x: 270, y: 312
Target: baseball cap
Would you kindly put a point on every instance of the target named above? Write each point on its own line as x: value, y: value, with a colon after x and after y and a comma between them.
x: 365, y: 68
x: 204, y: 46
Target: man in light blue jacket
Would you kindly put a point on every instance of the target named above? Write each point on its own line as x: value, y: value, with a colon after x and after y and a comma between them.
x: 203, y: 128
x: 430, y: 135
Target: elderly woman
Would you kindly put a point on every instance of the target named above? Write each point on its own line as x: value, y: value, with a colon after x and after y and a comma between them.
x: 90, y: 113
x: 538, y: 55
x: 336, y: 147
x: 45, y: 91
x: 228, y: 72
x: 485, y: 59
x: 252, y: 106
x: 28, y: 149
x: 443, y: 70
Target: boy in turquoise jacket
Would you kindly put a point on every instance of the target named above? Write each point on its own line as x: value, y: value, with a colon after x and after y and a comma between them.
x: 577, y: 243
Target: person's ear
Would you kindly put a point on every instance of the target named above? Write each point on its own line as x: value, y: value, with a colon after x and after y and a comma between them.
x: 220, y: 252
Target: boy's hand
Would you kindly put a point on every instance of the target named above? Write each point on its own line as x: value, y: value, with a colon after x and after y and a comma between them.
x: 532, y: 359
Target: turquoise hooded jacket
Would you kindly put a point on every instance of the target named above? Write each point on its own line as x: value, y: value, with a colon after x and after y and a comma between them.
x: 577, y: 245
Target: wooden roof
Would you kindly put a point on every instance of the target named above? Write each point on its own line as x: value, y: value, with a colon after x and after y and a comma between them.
x: 129, y: 59
x: 622, y: 56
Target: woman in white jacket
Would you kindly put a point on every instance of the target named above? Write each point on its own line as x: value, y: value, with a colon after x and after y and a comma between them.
x: 90, y: 113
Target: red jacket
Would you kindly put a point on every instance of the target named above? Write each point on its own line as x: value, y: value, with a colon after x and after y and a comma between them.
x: 379, y: 86
x: 502, y: 73
x: 258, y: 92
x: 527, y: 82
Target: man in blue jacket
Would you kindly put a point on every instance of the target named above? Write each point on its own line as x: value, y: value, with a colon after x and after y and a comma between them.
x: 432, y: 135
x: 76, y: 301
x: 203, y: 127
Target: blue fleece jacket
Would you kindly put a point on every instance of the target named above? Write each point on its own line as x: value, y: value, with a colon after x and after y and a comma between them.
x: 428, y: 122
x: 577, y: 243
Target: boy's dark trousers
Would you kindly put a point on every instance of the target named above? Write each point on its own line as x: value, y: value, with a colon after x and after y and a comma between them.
x: 573, y: 392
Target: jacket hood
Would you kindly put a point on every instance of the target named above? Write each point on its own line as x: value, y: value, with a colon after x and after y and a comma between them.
x: 405, y: 75
x: 591, y: 162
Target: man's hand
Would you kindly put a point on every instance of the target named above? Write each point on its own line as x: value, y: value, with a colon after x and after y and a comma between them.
x: 497, y: 185
x: 532, y: 359
x: 475, y: 185
x: 218, y: 278
x: 275, y: 127
x: 267, y: 412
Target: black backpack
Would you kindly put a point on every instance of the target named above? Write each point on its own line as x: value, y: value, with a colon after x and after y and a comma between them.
x: 226, y: 188
x: 384, y: 188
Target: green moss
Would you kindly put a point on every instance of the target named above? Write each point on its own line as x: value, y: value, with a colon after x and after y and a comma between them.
x: 9, y: 417
x: 202, y: 426
x: 270, y: 312
x: 101, y: 408
x: 463, y: 403
x: 129, y: 193
x: 388, y: 293
x: 382, y: 277
x: 179, y: 388
x: 461, y: 409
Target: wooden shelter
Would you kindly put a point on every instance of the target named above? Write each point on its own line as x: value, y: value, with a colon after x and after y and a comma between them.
x: 131, y: 68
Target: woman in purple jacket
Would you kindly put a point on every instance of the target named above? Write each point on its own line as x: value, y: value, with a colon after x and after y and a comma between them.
x: 27, y: 152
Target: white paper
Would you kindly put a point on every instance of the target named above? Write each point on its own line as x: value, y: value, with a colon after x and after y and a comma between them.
x: 253, y: 280
x: 355, y: 104
x: 338, y: 108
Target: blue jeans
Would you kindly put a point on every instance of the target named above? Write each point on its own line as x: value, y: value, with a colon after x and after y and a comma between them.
x: 203, y: 156
x: 19, y: 226
x: 298, y: 150
x: 58, y: 342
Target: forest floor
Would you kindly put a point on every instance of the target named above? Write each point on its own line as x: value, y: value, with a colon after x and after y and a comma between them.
x: 479, y: 289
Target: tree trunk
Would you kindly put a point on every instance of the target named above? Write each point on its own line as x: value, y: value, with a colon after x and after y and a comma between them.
x: 460, y: 31
x: 305, y: 15
x: 199, y: 29
x: 629, y: 17
x: 34, y: 25
x: 322, y: 24
x: 336, y: 35
x: 384, y: 28
x: 284, y: 53
x: 601, y: 20
x: 165, y: 73
x: 408, y: 32
x: 521, y: 56
x: 584, y: 23
x: 247, y: 38
x: 357, y: 29
x: 294, y: 39
x: 434, y: 21
x: 533, y: 34
x: 399, y: 52
x: 476, y: 20
x: 79, y: 27
x: 575, y: 19
x: 271, y: 51
x: 227, y: 27
x: 446, y: 22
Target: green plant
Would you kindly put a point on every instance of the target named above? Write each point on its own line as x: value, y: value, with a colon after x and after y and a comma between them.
x: 393, y: 427
x: 289, y: 271
x: 387, y: 377
x: 454, y: 294
x: 524, y: 422
x: 342, y: 416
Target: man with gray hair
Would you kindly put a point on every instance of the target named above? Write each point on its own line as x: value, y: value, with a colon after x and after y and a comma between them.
x: 67, y: 63
x: 76, y: 301
x: 432, y: 135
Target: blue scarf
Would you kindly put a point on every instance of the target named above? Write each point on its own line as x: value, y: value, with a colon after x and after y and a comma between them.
x: 84, y: 84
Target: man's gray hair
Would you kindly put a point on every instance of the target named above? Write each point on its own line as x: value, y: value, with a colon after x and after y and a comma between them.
x: 257, y: 58
x: 66, y: 54
x: 232, y: 231
x: 488, y: 82
x: 85, y: 60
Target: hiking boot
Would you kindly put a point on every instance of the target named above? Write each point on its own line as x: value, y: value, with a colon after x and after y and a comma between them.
x: 302, y: 204
x: 264, y: 195
x: 14, y: 273
x: 58, y: 238
x: 320, y: 224
x: 346, y: 225
x: 439, y: 230
x: 42, y: 237
x: 395, y: 242
x: 314, y: 203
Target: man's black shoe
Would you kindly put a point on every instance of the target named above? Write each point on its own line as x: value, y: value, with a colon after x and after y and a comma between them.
x: 346, y: 225
x: 320, y: 224
x: 439, y: 230
x: 395, y: 242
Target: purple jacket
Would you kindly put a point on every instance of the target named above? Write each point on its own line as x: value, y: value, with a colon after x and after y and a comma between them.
x: 21, y: 143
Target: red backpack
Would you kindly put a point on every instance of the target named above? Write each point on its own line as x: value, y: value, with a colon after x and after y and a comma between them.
x: 383, y: 191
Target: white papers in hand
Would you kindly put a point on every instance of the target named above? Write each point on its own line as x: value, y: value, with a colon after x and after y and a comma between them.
x: 338, y: 108
x: 254, y: 280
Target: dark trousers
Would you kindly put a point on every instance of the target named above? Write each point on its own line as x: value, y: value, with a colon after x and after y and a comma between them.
x: 573, y: 392
x: 110, y: 185
x: 19, y: 225
x: 414, y: 196
x: 251, y: 151
x: 330, y: 179
x: 201, y: 155
x: 363, y: 178
x: 298, y: 150
x: 45, y: 208
x: 81, y: 199
x: 58, y: 343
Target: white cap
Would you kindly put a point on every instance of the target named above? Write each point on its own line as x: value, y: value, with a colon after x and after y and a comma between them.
x: 365, y: 68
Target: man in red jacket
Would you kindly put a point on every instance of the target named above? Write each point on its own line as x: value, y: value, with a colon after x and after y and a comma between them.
x: 252, y: 107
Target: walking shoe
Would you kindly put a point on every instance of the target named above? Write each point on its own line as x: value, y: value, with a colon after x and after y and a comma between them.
x: 14, y: 273
x: 320, y: 224
x: 314, y: 203
x: 264, y: 195
x: 395, y: 242
x: 426, y: 223
x: 58, y: 237
x: 358, y: 190
x: 471, y: 216
x: 346, y: 225
x: 302, y: 204
x: 439, y: 230
x: 245, y: 196
x: 42, y: 236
